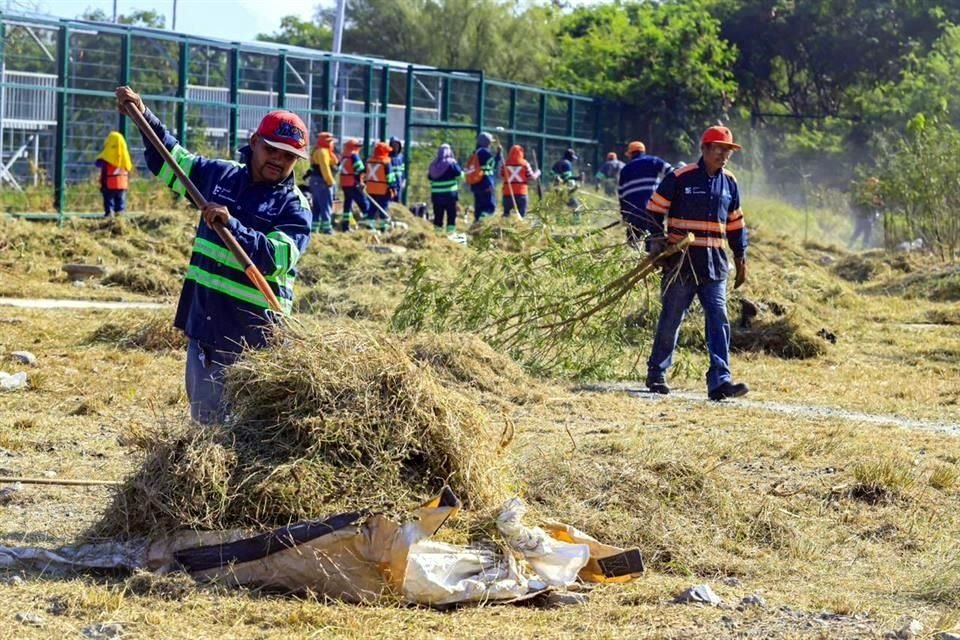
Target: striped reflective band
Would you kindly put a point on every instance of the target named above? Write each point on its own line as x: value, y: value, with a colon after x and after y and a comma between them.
x: 695, y: 225
x: 699, y: 241
x: 285, y: 254
x: 443, y: 186
x: 183, y: 158
x: 228, y: 287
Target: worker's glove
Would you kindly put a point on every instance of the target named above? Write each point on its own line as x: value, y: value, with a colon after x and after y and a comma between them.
x: 656, y: 245
x: 741, y: 264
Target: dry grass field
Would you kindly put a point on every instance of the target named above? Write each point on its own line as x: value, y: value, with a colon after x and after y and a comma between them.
x: 845, y: 526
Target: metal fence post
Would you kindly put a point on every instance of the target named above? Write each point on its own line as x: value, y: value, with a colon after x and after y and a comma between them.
x: 183, y: 79
x: 281, y: 83
x: 368, y: 104
x: 385, y: 101
x: 542, y: 144
x: 325, y: 98
x: 407, y: 129
x: 234, y: 99
x: 512, y: 116
x: 481, y: 100
x: 60, y: 149
x: 125, y: 58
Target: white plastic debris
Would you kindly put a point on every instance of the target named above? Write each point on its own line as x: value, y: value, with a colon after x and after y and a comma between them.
x: 12, y: 382
x: 556, y: 563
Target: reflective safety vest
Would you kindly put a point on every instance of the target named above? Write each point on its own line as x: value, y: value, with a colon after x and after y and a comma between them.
x: 515, y: 179
x: 351, y: 169
x: 117, y: 178
x: 377, y: 178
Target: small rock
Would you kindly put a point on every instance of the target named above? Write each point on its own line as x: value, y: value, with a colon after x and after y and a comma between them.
x: 753, y: 600
x: 701, y: 593
x: 564, y: 599
x: 911, y: 629
x: 732, y: 581
x: 947, y: 635
x: 13, y: 581
x: 49, y: 474
x: 9, y: 494
x: 79, y: 284
x: 103, y: 630
x: 31, y: 619
x: 12, y: 382
x: 387, y: 248
x: 24, y: 357
x: 826, y: 260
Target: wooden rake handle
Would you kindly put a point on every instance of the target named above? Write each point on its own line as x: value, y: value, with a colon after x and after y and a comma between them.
x: 131, y: 111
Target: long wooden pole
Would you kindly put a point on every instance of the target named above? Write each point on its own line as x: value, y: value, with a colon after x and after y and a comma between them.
x: 59, y: 481
x: 132, y: 112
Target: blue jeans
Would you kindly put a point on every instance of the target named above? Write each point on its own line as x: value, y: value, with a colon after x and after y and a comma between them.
x: 322, y: 196
x: 483, y: 203
x: 114, y: 201
x: 676, y: 295
x: 521, y: 205
x: 204, y: 379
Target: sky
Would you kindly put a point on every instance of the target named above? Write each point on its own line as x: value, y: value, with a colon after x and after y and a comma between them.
x: 239, y: 20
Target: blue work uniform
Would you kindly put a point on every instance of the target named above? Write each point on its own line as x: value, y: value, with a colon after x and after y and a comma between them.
x: 483, y: 197
x: 689, y: 200
x: 444, y: 193
x: 638, y: 181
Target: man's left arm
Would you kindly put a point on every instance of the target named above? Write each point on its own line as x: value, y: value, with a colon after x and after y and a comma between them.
x: 277, y: 252
x: 737, y: 235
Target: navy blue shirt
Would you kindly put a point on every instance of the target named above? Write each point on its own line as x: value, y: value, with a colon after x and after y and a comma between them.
x: 488, y: 165
x: 638, y: 181
x: 446, y: 188
x: 218, y: 305
x: 689, y: 200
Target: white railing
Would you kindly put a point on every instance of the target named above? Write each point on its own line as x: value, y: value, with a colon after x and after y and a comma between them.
x: 33, y: 107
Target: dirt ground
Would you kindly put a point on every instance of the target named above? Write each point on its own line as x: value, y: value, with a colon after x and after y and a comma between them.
x: 845, y: 526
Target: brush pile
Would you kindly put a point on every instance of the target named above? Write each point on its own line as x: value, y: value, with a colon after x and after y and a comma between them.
x: 328, y: 419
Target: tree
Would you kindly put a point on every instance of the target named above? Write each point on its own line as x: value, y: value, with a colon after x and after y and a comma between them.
x: 667, y: 59
x: 301, y: 33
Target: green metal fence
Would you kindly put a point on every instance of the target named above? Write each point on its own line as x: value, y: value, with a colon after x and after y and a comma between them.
x: 57, y: 79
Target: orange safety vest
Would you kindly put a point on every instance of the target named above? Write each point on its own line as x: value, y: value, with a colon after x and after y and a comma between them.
x: 377, y: 184
x: 348, y: 175
x: 515, y: 179
x: 117, y: 178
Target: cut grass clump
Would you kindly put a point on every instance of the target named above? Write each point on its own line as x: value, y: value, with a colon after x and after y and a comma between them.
x: 155, y: 333
x: 944, y: 476
x: 146, y: 280
x: 329, y: 419
x: 860, y: 268
x: 783, y: 337
x: 882, y: 480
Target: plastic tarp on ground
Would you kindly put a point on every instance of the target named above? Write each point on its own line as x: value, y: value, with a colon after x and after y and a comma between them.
x: 357, y: 557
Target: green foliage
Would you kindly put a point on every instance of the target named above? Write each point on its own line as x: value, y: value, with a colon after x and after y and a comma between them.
x: 920, y: 187
x: 300, y: 33
x: 666, y: 58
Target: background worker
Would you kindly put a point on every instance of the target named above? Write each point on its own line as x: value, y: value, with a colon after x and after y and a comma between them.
x: 115, y: 167
x: 480, y: 172
x: 563, y: 177
x: 381, y: 183
x: 866, y: 202
x: 638, y: 180
x: 445, y: 175
x: 516, y: 174
x: 220, y: 312
x: 399, y: 165
x: 702, y: 199
x: 608, y: 174
x: 351, y: 183
x: 323, y: 164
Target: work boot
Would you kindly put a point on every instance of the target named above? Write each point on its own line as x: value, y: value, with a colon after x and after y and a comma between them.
x: 658, y: 386
x: 728, y: 390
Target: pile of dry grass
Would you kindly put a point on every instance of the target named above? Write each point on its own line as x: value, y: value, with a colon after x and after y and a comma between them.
x: 329, y: 419
x: 148, y: 280
x: 132, y: 331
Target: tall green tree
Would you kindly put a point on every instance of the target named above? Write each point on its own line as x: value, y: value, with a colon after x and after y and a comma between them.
x: 301, y: 33
x: 666, y: 59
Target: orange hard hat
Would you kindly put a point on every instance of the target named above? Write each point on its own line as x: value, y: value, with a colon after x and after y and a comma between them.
x: 636, y: 147
x: 719, y: 135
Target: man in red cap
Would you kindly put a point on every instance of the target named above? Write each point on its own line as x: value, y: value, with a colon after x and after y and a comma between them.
x: 702, y: 199
x: 258, y: 201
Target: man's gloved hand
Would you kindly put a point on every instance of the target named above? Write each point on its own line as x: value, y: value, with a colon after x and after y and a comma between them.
x: 656, y: 245
x: 741, y: 277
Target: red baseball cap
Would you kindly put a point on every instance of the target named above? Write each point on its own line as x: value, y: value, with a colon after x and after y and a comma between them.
x: 719, y: 135
x: 284, y: 130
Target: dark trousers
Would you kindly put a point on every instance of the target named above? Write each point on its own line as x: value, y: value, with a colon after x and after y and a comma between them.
x: 351, y: 195
x: 114, y: 201
x: 483, y: 203
x: 508, y: 205
x: 204, y: 379
x: 444, y: 207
